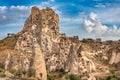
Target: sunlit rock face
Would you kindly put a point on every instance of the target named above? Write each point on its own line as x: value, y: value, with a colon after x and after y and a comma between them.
x: 41, y: 39
x: 37, y: 37
x: 40, y: 46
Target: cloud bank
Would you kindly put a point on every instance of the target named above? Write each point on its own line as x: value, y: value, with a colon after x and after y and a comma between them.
x: 93, y: 25
x: 13, y: 14
x: 17, y: 14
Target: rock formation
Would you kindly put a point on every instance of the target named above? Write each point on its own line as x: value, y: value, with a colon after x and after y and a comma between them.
x: 41, y: 47
x: 41, y: 38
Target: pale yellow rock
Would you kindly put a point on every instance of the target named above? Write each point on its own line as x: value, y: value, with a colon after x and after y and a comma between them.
x: 39, y: 63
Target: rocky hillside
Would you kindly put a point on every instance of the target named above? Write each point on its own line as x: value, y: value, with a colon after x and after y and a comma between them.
x: 41, y: 49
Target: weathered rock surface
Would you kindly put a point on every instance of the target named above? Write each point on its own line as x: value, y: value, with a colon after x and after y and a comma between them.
x: 40, y: 46
x: 41, y: 38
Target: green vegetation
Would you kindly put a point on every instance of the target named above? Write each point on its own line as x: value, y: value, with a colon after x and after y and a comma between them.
x: 31, y: 72
x: 49, y: 77
x: 1, y: 70
x: 19, y: 73
x: 112, y: 78
x: 2, y: 65
x: 2, y: 74
x: 87, y: 40
x: 74, y: 77
x: 24, y: 72
x: 13, y: 71
x: 62, y: 73
x: 16, y: 73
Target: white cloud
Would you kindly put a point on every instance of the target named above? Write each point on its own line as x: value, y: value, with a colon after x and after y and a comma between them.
x: 100, y: 5
x: 3, y: 7
x: 45, y: 4
x: 20, y: 7
x: 110, y: 15
x: 12, y: 19
x: 48, y: 3
x: 93, y: 25
x: 78, y: 19
x: 13, y: 14
x: 93, y: 16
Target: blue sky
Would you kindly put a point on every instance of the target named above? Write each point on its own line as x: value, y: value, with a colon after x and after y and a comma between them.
x: 85, y: 18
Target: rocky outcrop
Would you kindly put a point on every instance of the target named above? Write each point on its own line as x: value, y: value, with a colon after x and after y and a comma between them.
x: 40, y: 37
x: 37, y: 37
x: 115, y: 58
x: 39, y: 63
x: 41, y: 47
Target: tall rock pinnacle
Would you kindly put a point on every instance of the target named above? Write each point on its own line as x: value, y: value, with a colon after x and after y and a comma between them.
x: 40, y: 31
x: 39, y: 27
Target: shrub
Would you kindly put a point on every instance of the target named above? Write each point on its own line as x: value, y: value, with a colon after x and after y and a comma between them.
x: 74, y: 77
x: 66, y: 76
x: 2, y: 65
x: 1, y: 70
x: 112, y: 78
x: 24, y: 72
x: 61, y: 74
x: 2, y: 74
x: 31, y: 72
x: 50, y: 77
x: 61, y: 70
x: 13, y: 71
x: 18, y: 73
x: 101, y: 79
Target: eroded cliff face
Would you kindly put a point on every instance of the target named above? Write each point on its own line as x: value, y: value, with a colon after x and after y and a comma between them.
x: 40, y: 37
x: 41, y: 47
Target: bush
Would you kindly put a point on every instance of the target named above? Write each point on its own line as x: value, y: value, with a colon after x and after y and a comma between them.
x: 61, y: 70
x: 112, y: 78
x: 18, y: 74
x: 24, y: 72
x: 74, y: 77
x: 2, y: 74
x: 1, y: 70
x: 2, y: 65
x: 13, y: 71
x: 31, y: 72
x: 101, y: 79
x: 61, y: 74
x: 50, y: 77
x: 66, y: 76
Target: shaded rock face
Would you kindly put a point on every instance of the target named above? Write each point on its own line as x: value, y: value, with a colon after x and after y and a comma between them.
x: 115, y: 57
x: 16, y: 60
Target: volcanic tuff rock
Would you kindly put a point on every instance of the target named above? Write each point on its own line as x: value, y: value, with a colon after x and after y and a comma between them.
x: 41, y: 47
